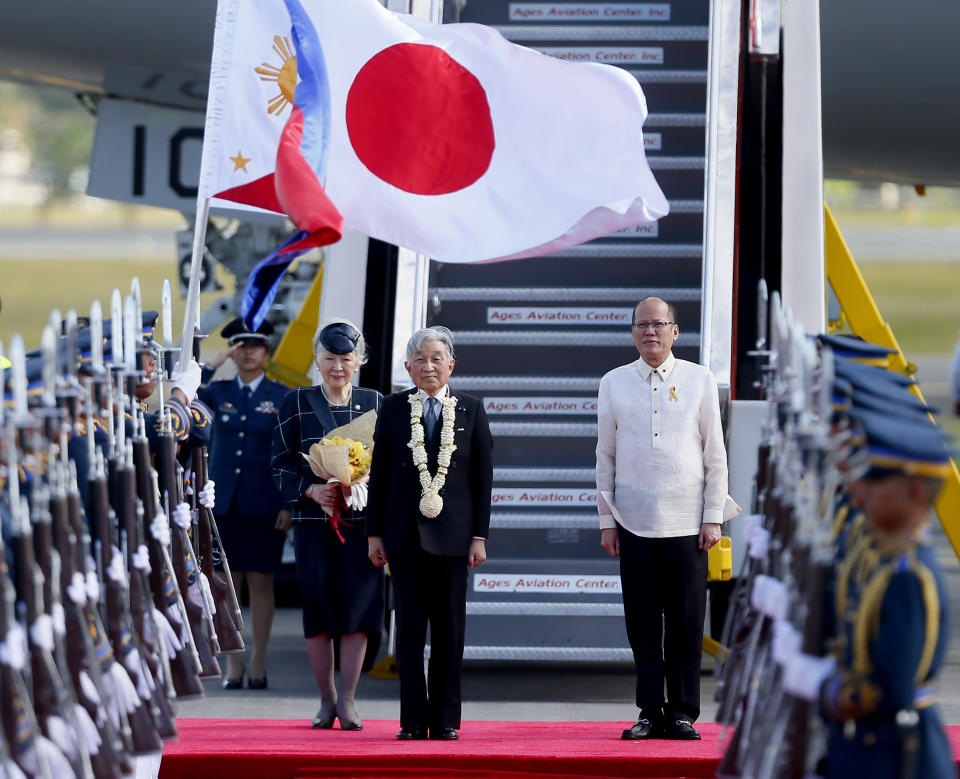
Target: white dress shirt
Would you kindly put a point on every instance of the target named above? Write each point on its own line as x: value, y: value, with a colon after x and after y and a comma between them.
x: 439, y: 395
x: 660, y: 448
x: 252, y: 385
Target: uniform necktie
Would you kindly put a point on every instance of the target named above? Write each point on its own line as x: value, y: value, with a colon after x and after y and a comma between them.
x: 246, y: 392
x: 431, y: 416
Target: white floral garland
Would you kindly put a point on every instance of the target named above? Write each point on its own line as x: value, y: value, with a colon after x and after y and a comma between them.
x: 431, y: 504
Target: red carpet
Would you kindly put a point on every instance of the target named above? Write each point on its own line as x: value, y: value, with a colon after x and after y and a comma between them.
x: 290, y: 749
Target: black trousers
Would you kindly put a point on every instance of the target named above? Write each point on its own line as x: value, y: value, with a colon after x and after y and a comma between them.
x: 429, y: 589
x: 664, y: 602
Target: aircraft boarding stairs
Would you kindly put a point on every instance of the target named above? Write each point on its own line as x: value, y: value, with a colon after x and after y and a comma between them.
x: 533, y: 337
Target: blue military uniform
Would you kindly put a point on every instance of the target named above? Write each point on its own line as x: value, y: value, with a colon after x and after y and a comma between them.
x: 247, y: 502
x: 892, y: 633
x: 240, y: 453
x: 881, y: 706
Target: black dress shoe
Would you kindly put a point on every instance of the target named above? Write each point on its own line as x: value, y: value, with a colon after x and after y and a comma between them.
x: 444, y: 734
x: 412, y: 734
x: 644, y: 728
x: 680, y: 729
x: 257, y: 684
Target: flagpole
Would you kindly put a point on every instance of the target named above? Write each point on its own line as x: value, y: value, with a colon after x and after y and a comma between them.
x: 421, y: 289
x: 193, y: 290
x: 432, y: 10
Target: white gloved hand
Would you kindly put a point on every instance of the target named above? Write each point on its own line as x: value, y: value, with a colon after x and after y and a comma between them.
x: 208, y: 496
x: 182, y: 516
x: 358, y: 497
x: 803, y: 675
x: 186, y: 380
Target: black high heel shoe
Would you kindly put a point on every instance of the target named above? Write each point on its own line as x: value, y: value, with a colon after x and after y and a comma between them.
x: 234, y: 684
x: 349, y: 723
x: 325, y: 716
x: 257, y: 684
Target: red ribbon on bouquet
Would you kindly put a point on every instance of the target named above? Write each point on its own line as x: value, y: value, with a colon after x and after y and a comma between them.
x: 335, y: 519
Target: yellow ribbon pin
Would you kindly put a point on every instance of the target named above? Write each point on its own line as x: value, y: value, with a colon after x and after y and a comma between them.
x: 673, y: 394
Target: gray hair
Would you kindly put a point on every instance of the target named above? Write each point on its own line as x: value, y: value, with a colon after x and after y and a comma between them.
x: 671, y: 309
x: 360, y: 352
x: 436, y: 333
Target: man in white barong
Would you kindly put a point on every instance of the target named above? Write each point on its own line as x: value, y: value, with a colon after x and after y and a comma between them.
x: 661, y: 483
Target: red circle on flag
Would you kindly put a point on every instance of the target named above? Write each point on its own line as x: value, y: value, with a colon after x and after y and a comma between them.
x: 419, y: 120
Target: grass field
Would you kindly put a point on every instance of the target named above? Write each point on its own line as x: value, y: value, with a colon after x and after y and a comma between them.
x: 919, y: 301
x: 30, y: 290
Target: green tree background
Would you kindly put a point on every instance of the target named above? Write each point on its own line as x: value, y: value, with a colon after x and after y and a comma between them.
x: 54, y: 127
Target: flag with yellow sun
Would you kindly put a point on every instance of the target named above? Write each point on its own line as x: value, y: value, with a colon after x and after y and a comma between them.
x: 446, y: 139
x: 240, y: 146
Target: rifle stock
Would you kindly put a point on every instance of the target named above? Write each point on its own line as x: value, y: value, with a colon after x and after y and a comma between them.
x: 184, y: 665
x: 227, y: 610
x: 184, y: 564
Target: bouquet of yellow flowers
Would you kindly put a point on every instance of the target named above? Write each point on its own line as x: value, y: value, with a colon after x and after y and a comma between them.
x: 341, y: 458
x: 344, y: 456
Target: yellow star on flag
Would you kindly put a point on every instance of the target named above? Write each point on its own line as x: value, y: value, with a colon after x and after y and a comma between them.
x: 240, y: 162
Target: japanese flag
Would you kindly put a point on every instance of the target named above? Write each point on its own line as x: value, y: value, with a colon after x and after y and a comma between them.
x: 445, y: 139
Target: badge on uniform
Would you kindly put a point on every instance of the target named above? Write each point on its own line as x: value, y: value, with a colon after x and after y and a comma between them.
x: 227, y: 406
x: 266, y: 407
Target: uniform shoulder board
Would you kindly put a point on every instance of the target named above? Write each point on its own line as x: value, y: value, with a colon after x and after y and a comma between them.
x: 179, y: 418
x: 201, y: 413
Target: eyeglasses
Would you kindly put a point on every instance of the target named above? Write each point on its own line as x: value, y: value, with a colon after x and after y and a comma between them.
x: 658, y: 326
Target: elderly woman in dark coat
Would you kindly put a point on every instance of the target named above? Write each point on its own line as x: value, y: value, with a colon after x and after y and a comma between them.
x: 341, y: 589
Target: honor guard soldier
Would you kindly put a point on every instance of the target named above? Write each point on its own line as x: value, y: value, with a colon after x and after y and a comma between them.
x: 248, y: 505
x: 879, y: 700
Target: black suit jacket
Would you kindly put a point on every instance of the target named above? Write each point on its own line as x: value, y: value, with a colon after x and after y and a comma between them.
x: 393, y: 511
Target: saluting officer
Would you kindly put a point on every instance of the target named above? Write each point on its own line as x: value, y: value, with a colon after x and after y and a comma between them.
x: 248, y: 505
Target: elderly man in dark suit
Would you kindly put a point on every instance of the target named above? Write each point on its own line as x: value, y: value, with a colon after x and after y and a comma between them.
x: 429, y: 512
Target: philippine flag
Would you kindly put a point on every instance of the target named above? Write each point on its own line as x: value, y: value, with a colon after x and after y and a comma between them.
x: 445, y: 139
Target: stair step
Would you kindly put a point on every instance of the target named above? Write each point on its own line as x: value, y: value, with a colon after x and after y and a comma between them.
x: 668, y: 77
x: 534, y: 609
x: 658, y: 162
x: 686, y: 206
x: 542, y: 520
x: 666, y: 251
x: 528, y: 383
x: 545, y: 474
x: 595, y: 33
x: 556, y: 338
x: 675, y: 119
x: 559, y: 653
x: 563, y: 294
x: 543, y: 429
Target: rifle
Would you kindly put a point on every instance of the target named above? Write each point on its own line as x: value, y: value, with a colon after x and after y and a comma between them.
x: 144, y: 737
x: 19, y: 722
x: 184, y: 663
x: 226, y: 615
x: 184, y: 562
x: 139, y: 604
x: 781, y: 742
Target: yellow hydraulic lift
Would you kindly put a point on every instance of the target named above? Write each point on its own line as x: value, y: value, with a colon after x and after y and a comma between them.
x: 861, y: 313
